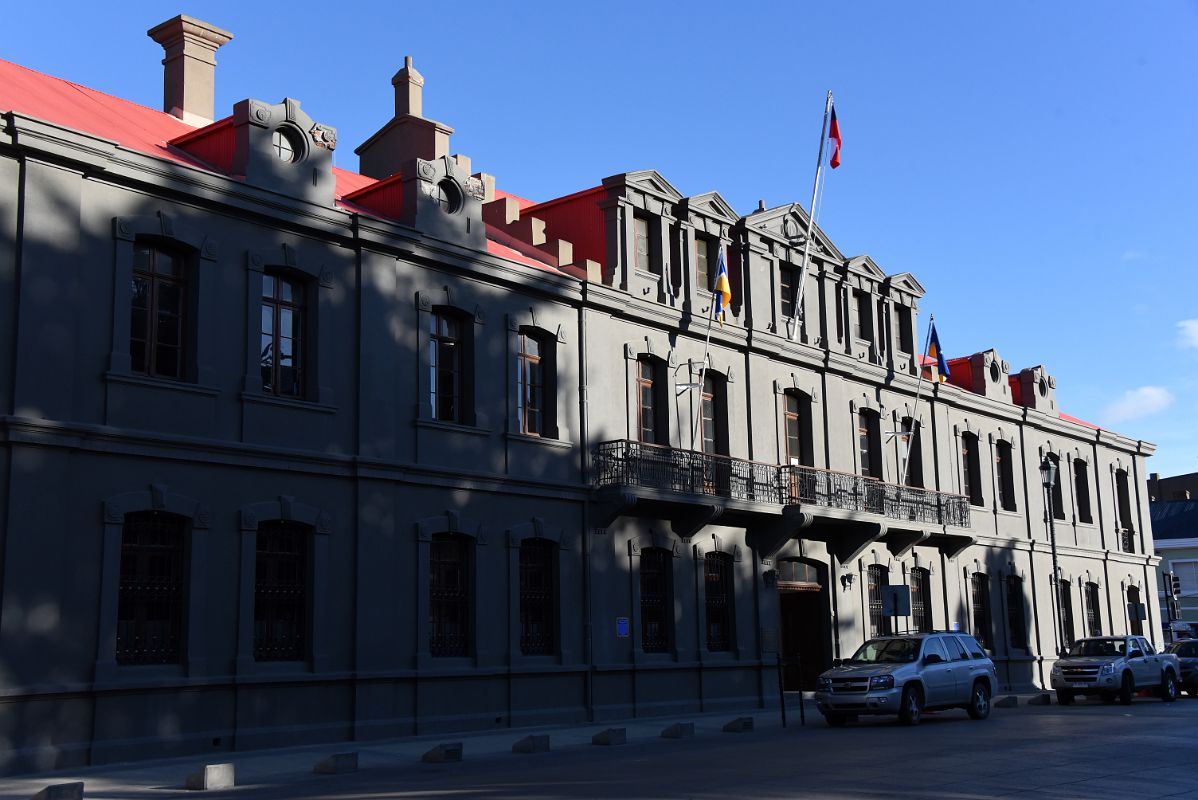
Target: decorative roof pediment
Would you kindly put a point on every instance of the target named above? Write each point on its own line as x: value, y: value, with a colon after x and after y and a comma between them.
x: 788, y: 223
x: 905, y: 281
x: 865, y: 265
x: 649, y: 181
x: 711, y: 204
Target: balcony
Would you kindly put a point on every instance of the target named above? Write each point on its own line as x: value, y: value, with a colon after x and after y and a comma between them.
x: 673, y: 471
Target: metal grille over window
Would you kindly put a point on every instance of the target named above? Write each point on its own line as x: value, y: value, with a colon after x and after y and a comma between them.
x: 157, y: 331
x: 1093, y: 615
x: 530, y: 397
x: 657, y: 600
x: 717, y: 585
x: 980, y: 597
x: 1135, y: 624
x: 876, y: 577
x: 152, y: 590
x: 1067, y: 612
x: 281, y: 592
x: 282, y: 336
x: 537, y: 559
x: 1016, y: 618
x: 445, y: 367
x: 921, y: 599
x: 449, y: 595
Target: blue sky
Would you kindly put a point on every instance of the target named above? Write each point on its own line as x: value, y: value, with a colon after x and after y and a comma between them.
x: 1033, y: 164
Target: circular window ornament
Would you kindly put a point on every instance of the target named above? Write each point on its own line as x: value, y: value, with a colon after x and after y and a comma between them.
x: 286, y: 146
x: 1043, y: 387
x: 449, y: 196
x: 995, y: 373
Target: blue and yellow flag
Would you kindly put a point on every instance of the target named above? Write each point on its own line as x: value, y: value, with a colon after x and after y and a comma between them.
x: 723, y: 290
x: 935, y: 352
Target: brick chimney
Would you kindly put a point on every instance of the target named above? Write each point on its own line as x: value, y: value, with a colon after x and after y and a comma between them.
x: 408, y: 135
x: 189, y: 77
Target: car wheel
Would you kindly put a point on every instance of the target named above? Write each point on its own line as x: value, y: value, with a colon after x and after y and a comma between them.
x: 911, y: 706
x: 979, y: 701
x: 1127, y: 689
x: 1169, y: 687
x: 1064, y: 698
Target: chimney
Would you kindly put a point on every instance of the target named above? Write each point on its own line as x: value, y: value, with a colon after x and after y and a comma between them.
x: 408, y: 135
x: 189, y: 76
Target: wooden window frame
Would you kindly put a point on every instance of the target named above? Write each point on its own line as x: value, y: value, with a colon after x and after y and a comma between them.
x: 529, y: 390
x: 450, y: 334
x: 155, y: 281
x: 276, y: 305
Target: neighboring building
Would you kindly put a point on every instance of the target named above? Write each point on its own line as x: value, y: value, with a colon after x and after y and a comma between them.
x: 1175, y: 537
x: 1179, y: 487
x: 293, y: 454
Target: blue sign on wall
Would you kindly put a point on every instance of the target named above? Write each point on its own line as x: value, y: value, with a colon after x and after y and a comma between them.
x: 622, y: 627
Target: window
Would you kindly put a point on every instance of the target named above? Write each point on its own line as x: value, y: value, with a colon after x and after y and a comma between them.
x: 921, y: 599
x: 538, y: 558
x: 158, y: 329
x: 657, y: 600
x: 284, y: 145
x: 971, y: 646
x: 1081, y: 485
x: 644, y: 247
x: 449, y: 367
x: 651, y: 409
x: 1016, y: 618
x: 703, y: 264
x: 913, y: 451
x: 956, y: 650
x: 450, y: 588
x: 714, y: 409
x: 281, y: 592
x: 1004, y: 465
x: 862, y: 317
x: 1187, y: 576
x: 788, y: 284
x: 536, y: 392
x: 906, y: 330
x: 880, y: 339
x: 1067, y: 612
x: 980, y: 595
x: 877, y: 578
x: 1123, y: 501
x: 796, y: 425
x: 717, y: 595
x: 1134, y: 612
x: 283, y: 336
x: 1058, y: 492
x: 971, y: 473
x: 153, y: 591
x: 1093, y: 615
x: 868, y: 448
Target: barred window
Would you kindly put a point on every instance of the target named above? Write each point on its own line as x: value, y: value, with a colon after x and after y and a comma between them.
x: 282, y: 336
x: 1135, y: 624
x: 1093, y: 612
x: 657, y: 600
x: 876, y: 579
x: 1016, y: 618
x: 717, y: 593
x: 980, y: 595
x: 451, y: 589
x: 158, y: 327
x: 153, y: 590
x: 281, y: 581
x: 1067, y: 612
x: 921, y: 599
x: 538, y: 594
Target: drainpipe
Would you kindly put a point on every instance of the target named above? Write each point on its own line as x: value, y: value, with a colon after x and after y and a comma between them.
x: 584, y: 469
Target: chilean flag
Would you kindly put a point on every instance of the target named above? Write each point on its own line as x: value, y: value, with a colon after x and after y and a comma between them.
x: 834, y: 134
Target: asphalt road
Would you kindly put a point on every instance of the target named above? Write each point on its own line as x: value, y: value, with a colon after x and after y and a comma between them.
x: 1091, y: 750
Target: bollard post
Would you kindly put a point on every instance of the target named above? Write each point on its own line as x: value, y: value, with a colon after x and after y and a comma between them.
x: 781, y: 693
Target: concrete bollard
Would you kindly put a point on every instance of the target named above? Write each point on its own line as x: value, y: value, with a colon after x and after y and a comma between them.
x: 532, y: 744
x: 212, y: 776
x: 337, y: 764
x: 61, y: 791
x: 611, y: 736
x: 739, y: 725
x: 1010, y: 701
x: 443, y: 753
x: 679, y: 730
x: 1044, y: 699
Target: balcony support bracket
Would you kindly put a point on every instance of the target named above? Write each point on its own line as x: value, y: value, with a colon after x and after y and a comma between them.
x: 850, y: 543
x: 686, y: 524
x: 899, y: 543
x: 952, y: 544
x: 768, y: 538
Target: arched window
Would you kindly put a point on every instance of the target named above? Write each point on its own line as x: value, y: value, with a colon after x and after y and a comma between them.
x: 1135, y: 611
x: 1016, y: 618
x: 877, y: 578
x: 657, y: 600
x: 451, y: 594
x: 153, y: 589
x: 284, y: 336
x: 281, y: 591
x: 980, y: 597
x: 159, y: 334
x: 450, y: 362
x: 921, y: 599
x: 717, y: 594
x: 971, y: 472
x: 538, y: 597
x: 1093, y: 610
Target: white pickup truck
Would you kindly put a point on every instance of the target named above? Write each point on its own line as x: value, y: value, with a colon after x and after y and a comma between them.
x: 1115, y: 667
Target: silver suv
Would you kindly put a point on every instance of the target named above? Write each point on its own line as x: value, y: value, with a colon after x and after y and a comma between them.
x: 906, y: 674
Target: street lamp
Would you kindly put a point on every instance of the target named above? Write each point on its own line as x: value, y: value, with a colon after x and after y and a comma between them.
x: 1048, y: 477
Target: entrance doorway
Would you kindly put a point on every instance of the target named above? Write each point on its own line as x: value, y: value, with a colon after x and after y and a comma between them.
x: 805, y: 624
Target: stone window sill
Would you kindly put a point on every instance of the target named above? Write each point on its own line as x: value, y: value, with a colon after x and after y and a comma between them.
x: 451, y: 427
x: 133, y: 379
x: 288, y: 402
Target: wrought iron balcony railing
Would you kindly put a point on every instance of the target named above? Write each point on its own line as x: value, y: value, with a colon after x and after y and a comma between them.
x: 670, y: 469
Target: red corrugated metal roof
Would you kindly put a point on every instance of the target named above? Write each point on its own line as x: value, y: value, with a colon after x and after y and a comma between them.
x: 1068, y: 418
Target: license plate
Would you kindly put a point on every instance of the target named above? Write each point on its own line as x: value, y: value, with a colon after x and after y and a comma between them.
x: 1081, y: 686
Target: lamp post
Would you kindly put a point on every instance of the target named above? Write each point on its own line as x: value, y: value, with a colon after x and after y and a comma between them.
x: 1048, y: 477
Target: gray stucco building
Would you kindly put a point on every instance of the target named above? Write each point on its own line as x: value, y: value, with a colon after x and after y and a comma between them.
x: 291, y: 453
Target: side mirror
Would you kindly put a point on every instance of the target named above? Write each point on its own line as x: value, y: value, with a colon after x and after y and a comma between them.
x: 1136, y: 654
x: 932, y: 658
x: 836, y: 662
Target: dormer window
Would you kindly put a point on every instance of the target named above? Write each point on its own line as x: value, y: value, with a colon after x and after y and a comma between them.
x: 645, y: 255
x: 906, y: 330
x: 862, y: 317
x: 286, y: 146
x: 449, y: 196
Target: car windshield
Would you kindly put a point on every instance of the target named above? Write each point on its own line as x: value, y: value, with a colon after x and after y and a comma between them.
x: 886, y: 651
x: 1097, y: 647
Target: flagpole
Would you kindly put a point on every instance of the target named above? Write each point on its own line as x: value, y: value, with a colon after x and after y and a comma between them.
x: 915, y: 411
x: 703, y: 369
x: 819, y: 164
